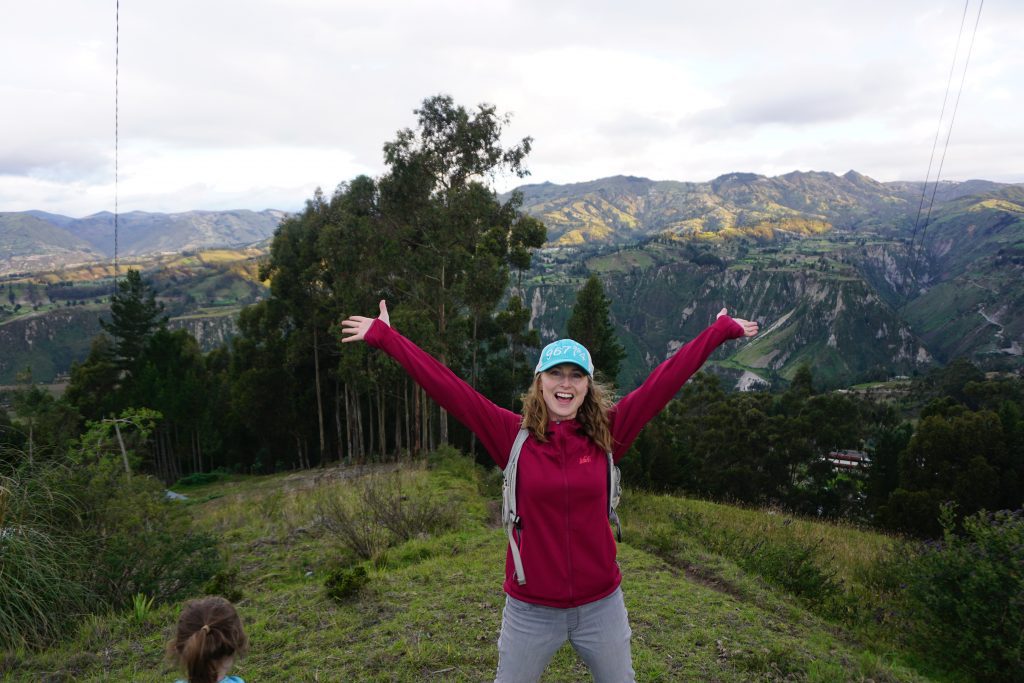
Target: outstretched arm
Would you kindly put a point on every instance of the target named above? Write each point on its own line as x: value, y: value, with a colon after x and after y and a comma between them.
x: 495, y: 426
x: 638, y: 407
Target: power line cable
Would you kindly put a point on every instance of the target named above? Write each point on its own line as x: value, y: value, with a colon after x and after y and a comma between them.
x: 117, y: 78
x: 938, y: 128
x: 912, y: 255
x: 952, y: 118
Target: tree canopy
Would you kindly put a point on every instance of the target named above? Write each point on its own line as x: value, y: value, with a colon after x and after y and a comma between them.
x: 590, y: 324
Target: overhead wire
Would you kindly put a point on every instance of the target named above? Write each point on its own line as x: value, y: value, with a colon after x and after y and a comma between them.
x: 117, y: 78
x: 912, y: 256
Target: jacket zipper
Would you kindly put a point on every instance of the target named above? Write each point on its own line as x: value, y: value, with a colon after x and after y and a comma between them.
x: 565, y: 497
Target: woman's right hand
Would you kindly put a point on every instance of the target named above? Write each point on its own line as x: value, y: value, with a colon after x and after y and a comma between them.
x: 355, y: 327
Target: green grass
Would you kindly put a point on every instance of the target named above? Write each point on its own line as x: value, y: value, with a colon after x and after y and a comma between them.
x: 621, y: 261
x: 432, y: 607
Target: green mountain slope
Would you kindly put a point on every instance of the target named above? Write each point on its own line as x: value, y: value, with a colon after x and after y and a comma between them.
x: 140, y: 232
x: 57, y: 313
x: 30, y: 243
x: 864, y: 293
x: 832, y: 267
x: 623, y: 209
x: 813, y: 310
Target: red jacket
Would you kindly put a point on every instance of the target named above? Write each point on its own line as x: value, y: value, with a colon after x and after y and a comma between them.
x: 567, y: 546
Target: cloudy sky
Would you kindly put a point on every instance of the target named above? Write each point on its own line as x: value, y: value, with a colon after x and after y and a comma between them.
x: 253, y: 104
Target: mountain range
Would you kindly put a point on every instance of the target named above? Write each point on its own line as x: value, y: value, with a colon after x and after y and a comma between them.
x: 32, y: 241
x: 860, y: 279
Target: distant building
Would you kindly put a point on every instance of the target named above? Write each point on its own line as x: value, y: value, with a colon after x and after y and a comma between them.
x: 848, y: 459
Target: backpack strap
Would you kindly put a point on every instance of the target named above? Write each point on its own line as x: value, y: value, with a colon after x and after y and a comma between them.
x: 509, y: 517
x: 614, y: 494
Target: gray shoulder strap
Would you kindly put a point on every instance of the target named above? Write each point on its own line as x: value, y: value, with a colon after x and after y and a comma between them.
x: 509, y: 516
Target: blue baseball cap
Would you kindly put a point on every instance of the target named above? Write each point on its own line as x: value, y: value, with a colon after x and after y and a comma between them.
x: 564, y: 351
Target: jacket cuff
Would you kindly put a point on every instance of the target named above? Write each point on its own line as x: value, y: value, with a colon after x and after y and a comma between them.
x: 731, y: 328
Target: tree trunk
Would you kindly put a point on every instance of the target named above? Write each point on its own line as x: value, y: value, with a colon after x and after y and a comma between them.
x: 442, y: 327
x: 360, y: 437
x: 199, y: 451
x: 319, y: 397
x: 337, y: 418
x: 405, y: 399
x: 124, y: 451
x: 369, y: 426
x: 381, y: 423
x: 398, y: 426
x: 348, y: 425
x: 417, y: 419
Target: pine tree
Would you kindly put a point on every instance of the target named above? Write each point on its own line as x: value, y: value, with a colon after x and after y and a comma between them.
x: 134, y: 317
x: 590, y: 324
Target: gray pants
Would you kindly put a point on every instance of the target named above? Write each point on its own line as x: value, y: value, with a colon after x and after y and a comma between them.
x: 531, y: 634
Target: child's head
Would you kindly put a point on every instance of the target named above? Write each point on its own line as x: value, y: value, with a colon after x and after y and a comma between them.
x: 208, y: 638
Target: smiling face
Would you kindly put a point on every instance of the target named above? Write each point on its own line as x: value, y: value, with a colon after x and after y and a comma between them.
x: 563, y: 388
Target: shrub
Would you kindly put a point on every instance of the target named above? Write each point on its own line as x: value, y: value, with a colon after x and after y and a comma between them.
x: 225, y: 584
x: 141, y: 607
x: 407, y: 509
x: 452, y: 461
x: 788, y: 563
x: 201, y: 478
x: 139, y: 542
x: 966, y: 595
x: 346, y: 519
x: 87, y: 537
x: 344, y: 582
x: 384, y: 511
x: 39, y: 596
x: 773, y: 553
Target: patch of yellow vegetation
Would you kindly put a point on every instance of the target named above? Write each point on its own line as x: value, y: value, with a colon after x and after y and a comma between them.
x: 805, y: 226
x: 997, y: 205
x: 763, y: 231
x: 626, y: 219
x: 571, y: 238
x: 222, y: 256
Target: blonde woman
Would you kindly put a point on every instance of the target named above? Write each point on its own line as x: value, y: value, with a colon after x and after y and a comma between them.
x: 564, y: 540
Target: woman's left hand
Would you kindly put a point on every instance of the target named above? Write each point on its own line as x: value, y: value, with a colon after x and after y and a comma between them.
x: 750, y: 328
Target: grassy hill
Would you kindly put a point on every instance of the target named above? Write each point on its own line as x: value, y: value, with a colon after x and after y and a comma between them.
x: 431, y: 609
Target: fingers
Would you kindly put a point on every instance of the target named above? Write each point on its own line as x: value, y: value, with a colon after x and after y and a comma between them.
x: 355, y: 322
x: 750, y: 328
x: 354, y: 328
x: 721, y: 313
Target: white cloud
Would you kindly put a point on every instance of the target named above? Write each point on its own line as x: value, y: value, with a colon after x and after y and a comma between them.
x: 250, y: 105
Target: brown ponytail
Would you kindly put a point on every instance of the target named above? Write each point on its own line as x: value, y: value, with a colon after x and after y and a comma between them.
x: 209, y: 630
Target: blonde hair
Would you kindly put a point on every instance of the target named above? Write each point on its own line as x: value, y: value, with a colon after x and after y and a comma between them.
x: 592, y: 415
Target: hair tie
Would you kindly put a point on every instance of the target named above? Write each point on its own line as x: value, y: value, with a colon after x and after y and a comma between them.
x: 205, y: 628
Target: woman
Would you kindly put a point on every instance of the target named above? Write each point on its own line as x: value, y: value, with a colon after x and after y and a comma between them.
x: 565, y: 542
